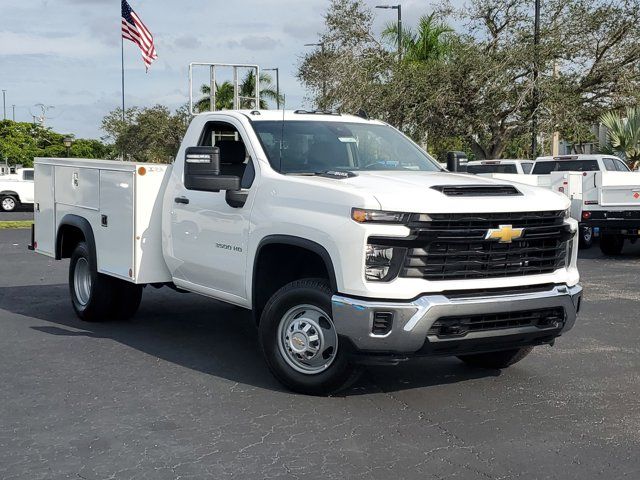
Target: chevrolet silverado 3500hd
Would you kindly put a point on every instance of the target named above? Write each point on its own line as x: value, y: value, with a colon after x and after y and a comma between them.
x: 348, y: 242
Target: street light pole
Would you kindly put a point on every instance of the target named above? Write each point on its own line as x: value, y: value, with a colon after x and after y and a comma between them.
x: 399, y: 9
x: 4, y: 103
x: 324, y: 83
x: 14, y: 112
x: 277, y: 70
x: 535, y: 92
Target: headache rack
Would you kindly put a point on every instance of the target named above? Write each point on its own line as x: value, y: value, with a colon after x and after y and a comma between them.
x: 240, y: 101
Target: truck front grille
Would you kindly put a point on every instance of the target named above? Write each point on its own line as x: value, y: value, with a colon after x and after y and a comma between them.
x: 459, y: 326
x: 453, y: 246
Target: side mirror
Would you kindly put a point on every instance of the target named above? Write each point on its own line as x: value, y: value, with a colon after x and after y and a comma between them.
x: 202, y: 171
x: 457, y: 161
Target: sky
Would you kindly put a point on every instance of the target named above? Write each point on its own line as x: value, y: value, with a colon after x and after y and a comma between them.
x: 66, y: 53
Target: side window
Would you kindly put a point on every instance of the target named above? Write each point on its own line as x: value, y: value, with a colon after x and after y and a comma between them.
x: 234, y: 158
x: 526, y: 167
x: 621, y: 166
x: 609, y: 165
x: 27, y: 175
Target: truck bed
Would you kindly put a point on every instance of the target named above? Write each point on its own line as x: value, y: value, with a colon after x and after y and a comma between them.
x: 122, y: 201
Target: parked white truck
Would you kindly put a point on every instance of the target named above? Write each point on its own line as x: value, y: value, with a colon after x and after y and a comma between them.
x: 16, y: 189
x: 348, y: 242
x: 610, y: 196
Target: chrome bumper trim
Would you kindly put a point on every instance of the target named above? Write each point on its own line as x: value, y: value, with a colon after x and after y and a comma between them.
x: 413, y: 319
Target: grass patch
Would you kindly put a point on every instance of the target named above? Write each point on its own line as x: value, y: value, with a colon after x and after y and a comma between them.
x: 16, y: 224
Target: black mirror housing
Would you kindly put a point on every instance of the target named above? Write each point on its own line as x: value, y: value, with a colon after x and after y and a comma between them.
x: 457, y: 161
x: 202, y: 171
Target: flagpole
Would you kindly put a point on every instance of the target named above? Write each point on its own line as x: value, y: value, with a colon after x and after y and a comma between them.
x: 122, y: 59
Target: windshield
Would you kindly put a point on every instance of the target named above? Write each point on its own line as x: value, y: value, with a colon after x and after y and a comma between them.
x: 542, y: 168
x: 491, y: 168
x: 314, y: 147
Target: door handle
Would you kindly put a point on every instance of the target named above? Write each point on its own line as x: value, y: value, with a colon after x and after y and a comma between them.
x: 183, y: 200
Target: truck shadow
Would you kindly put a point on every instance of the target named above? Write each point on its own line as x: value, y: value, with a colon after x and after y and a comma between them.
x: 209, y: 337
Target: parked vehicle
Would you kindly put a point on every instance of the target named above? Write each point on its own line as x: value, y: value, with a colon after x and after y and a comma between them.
x: 610, y: 194
x: 348, y: 242
x: 16, y: 189
x: 500, y: 166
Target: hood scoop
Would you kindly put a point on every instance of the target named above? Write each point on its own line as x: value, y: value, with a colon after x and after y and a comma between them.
x: 477, y: 190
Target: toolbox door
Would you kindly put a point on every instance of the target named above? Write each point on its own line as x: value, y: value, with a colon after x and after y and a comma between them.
x: 44, y: 210
x: 115, y: 232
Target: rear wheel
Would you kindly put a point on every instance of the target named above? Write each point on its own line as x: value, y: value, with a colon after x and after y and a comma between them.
x: 501, y: 359
x: 586, y: 237
x: 611, y: 244
x: 300, y: 342
x: 96, y: 297
x: 8, y: 203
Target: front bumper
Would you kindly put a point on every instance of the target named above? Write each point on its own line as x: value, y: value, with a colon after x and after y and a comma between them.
x: 412, y: 320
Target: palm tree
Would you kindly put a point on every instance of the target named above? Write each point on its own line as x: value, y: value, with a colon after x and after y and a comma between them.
x: 623, y: 134
x: 427, y: 42
x: 224, y: 93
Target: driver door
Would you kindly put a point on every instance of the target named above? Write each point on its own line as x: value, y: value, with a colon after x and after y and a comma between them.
x: 209, y: 236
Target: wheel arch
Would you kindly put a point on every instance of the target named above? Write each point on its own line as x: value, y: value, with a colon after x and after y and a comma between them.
x: 74, y: 228
x: 316, y: 255
x: 10, y: 193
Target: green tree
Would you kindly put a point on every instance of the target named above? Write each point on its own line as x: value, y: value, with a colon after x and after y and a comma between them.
x: 151, y: 134
x: 481, y: 89
x: 623, y: 134
x: 224, y: 93
x: 428, y: 41
x: 21, y: 142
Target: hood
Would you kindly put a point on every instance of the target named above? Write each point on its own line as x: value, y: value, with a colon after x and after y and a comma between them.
x: 405, y: 191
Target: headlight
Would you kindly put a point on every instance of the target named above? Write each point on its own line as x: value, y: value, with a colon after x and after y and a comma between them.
x: 382, y: 263
x: 378, y: 216
x: 567, y: 213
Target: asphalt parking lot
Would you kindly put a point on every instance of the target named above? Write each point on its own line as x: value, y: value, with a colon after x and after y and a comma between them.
x: 182, y: 392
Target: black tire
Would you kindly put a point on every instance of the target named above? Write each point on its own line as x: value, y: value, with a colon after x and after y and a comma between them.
x: 8, y: 203
x: 585, y: 239
x: 611, y: 244
x: 105, y: 297
x: 339, y: 374
x: 501, y: 359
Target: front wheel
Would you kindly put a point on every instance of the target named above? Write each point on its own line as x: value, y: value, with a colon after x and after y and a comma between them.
x: 8, y: 203
x: 499, y: 360
x: 300, y: 342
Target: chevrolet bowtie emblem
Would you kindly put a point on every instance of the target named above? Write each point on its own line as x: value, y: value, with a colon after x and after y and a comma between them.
x: 504, y: 234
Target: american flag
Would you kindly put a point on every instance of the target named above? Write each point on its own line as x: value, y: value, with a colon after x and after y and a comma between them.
x: 133, y: 29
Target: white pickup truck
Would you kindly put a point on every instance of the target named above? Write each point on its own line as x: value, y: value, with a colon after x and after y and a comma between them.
x: 348, y: 242
x: 610, y: 196
x: 480, y: 167
x: 16, y: 189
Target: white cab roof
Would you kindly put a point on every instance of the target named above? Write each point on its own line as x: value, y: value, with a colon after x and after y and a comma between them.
x: 290, y: 115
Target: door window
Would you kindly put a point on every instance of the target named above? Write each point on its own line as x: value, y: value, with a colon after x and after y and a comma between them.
x: 620, y: 166
x: 234, y: 158
x: 609, y: 165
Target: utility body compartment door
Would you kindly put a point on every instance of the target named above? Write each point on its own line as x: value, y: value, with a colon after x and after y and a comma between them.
x: 115, y: 234
x: 44, y: 210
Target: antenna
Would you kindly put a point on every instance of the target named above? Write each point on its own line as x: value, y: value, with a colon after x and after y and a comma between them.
x: 284, y: 108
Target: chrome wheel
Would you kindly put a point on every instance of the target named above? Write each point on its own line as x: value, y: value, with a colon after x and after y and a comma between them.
x: 308, y: 341
x: 587, y: 234
x: 8, y: 204
x: 82, y: 281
